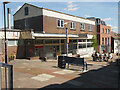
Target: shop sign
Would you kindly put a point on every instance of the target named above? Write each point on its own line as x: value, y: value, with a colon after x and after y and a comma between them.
x: 38, y: 46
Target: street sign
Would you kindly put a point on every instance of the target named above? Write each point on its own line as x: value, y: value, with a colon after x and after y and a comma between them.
x: 67, y: 39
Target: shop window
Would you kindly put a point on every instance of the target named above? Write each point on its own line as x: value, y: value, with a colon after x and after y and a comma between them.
x: 74, y: 41
x: 38, y: 41
x: 80, y: 40
x: 89, y: 45
x: 62, y: 41
x: 55, y: 41
x: 84, y: 45
x: 48, y: 41
x: 75, y: 46
x: 84, y: 40
x: 80, y: 46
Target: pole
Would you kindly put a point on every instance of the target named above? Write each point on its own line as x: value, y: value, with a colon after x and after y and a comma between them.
x: 5, y: 47
x: 67, y: 46
x: 5, y: 35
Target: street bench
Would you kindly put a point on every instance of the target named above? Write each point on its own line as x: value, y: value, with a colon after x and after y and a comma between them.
x: 76, y: 61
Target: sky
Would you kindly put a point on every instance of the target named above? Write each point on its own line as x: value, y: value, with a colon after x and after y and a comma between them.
x: 107, y: 11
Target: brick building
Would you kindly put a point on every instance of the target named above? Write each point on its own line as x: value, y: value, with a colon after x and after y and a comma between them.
x: 103, y: 34
x: 48, y: 38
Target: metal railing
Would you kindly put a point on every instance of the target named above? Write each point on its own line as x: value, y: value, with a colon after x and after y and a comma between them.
x: 9, y: 81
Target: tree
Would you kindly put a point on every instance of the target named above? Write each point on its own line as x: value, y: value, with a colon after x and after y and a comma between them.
x: 95, y: 42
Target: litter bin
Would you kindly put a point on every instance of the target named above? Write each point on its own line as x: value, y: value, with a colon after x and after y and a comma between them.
x: 61, y: 62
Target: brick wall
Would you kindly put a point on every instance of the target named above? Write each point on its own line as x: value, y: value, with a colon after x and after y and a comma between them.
x: 50, y: 26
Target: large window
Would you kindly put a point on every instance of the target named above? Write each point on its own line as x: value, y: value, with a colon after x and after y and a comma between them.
x: 12, y: 42
x: 55, y: 41
x: 108, y: 31
x: 105, y: 41
x: 105, y: 30
x: 26, y: 11
x: 108, y: 41
x: 48, y: 41
x: 90, y: 27
x: 89, y: 45
x: 72, y: 25
x: 82, y: 26
x: 60, y: 23
x: 102, y: 30
x: 38, y: 41
x: 102, y: 41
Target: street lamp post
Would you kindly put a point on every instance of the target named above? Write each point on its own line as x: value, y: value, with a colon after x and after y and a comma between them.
x: 67, y: 38
x: 67, y: 41
x: 5, y: 44
x: 5, y: 31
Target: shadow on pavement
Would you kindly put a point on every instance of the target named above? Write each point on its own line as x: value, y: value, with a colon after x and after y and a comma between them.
x: 105, y: 77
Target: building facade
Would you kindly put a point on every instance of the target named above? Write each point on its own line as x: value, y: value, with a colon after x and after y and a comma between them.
x: 48, y: 38
x: 12, y: 44
x: 103, y: 34
x: 115, y: 46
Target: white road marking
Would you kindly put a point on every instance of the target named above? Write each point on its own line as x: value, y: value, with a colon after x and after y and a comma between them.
x: 43, y: 77
x: 64, y: 72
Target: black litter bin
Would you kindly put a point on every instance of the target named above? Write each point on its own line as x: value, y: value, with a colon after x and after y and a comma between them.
x: 61, y: 62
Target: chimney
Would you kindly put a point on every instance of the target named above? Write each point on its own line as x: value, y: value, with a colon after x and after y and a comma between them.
x: 9, y: 23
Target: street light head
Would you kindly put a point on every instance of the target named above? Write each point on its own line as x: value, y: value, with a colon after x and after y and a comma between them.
x: 66, y: 23
x: 6, y: 2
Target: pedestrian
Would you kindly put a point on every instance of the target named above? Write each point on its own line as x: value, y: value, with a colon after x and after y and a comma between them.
x: 93, y: 55
x: 109, y: 58
x: 104, y: 57
x: 98, y: 55
x: 104, y: 50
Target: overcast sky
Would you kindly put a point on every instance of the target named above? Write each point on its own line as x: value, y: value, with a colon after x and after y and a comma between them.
x: 107, y: 11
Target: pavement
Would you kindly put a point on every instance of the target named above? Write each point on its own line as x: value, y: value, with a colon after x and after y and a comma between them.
x: 37, y: 74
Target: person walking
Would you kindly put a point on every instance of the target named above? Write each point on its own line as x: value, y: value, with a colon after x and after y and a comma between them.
x: 109, y: 58
x: 104, y: 50
x: 104, y: 57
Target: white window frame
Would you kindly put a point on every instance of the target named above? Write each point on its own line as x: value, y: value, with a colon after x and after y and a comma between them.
x: 73, y: 26
x: 82, y: 26
x: 90, y: 27
x: 60, y: 23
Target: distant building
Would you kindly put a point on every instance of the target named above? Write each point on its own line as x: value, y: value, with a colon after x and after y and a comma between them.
x: 115, y: 45
x: 49, y: 32
x: 12, y: 43
x: 103, y: 33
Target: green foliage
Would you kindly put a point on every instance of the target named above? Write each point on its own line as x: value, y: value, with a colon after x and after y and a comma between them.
x: 95, y: 42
